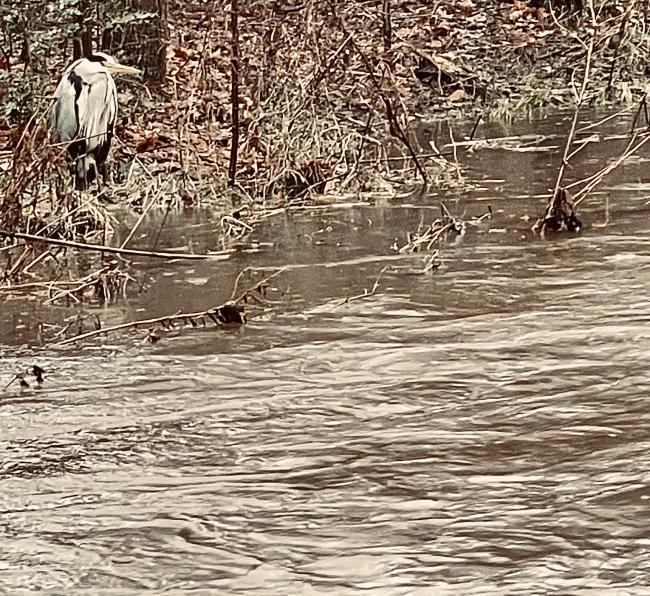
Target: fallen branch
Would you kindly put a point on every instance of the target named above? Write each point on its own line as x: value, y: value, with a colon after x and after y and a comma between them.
x: 37, y: 286
x: 365, y: 294
x: 445, y: 225
x: 112, y: 249
x: 221, y: 315
x: 589, y: 183
x: 229, y: 313
x: 597, y: 178
x: 574, y: 123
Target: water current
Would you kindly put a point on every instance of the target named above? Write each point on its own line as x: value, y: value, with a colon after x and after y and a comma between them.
x: 480, y: 429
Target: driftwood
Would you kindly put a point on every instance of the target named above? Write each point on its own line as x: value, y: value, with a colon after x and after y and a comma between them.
x: 228, y: 313
x: 112, y: 249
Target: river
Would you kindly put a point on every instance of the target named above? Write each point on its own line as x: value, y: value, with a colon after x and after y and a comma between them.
x: 480, y: 429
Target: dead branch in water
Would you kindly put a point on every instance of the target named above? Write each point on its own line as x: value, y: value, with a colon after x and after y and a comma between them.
x: 574, y: 122
x: 446, y: 226
x: 638, y: 138
x: 111, y: 249
x: 228, y: 313
x: 220, y: 315
x: 597, y: 178
x: 365, y: 294
x: 560, y: 213
x: 108, y: 284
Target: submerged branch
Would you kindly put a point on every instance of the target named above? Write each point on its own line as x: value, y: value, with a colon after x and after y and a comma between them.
x: 366, y: 293
x: 111, y: 249
x: 228, y: 313
x: 597, y: 178
x: 221, y: 315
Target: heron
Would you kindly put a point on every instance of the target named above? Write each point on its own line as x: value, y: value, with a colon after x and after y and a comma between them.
x: 85, y: 108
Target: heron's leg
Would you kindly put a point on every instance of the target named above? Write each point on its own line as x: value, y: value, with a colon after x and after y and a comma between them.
x: 105, y: 183
x: 103, y: 172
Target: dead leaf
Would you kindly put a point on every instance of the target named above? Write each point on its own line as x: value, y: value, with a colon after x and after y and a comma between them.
x: 147, y: 144
x: 179, y: 52
x: 457, y: 95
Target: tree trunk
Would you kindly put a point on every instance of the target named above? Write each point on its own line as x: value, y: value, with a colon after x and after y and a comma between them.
x: 82, y: 44
x: 142, y: 41
x: 234, y: 89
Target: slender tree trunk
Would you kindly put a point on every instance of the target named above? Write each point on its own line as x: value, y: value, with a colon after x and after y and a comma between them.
x: 82, y: 44
x: 234, y: 89
x: 387, y: 26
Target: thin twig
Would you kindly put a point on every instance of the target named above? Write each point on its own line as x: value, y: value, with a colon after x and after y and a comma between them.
x: 365, y: 294
x: 574, y: 123
x: 599, y: 177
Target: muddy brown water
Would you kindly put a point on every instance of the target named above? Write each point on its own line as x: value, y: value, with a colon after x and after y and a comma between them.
x: 480, y: 430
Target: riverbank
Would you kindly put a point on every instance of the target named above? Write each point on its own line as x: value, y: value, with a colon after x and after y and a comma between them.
x: 330, y: 94
x: 337, y: 104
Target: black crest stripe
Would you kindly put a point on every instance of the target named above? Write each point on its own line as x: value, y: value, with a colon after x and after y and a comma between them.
x: 77, y: 83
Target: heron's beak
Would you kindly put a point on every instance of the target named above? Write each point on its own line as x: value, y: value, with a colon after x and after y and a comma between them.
x: 118, y: 68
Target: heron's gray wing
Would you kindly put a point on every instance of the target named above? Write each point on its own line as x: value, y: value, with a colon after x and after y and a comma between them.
x: 97, y: 108
x: 65, y: 111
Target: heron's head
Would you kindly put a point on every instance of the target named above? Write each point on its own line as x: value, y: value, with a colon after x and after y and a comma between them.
x: 112, y: 65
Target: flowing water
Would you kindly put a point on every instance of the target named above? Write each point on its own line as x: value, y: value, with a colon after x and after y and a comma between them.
x: 483, y: 429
